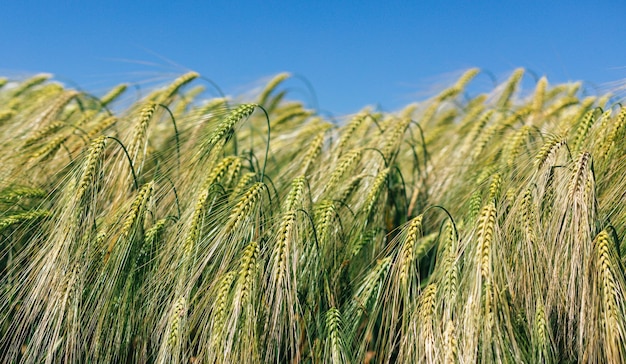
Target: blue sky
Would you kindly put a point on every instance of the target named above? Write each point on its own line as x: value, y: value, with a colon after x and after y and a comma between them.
x: 353, y: 53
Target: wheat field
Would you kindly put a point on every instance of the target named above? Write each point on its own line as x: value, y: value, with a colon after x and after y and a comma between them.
x: 182, y: 228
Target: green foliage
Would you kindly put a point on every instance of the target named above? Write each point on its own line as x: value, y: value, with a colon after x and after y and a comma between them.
x: 181, y: 230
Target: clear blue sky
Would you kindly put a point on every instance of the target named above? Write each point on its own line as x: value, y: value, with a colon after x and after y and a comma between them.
x: 353, y: 53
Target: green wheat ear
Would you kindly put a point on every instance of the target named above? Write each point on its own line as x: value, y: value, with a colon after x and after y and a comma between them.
x: 512, y: 83
x: 22, y: 217
x: 94, y: 156
x: 112, y: 95
x: 485, y: 235
x: 612, y: 288
x: 408, y: 253
x: 264, y: 97
x: 238, y: 114
x: 30, y: 83
x: 173, y: 88
x: 617, y: 129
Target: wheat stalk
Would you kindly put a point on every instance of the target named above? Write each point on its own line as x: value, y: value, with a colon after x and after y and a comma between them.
x: 312, y: 152
x: 509, y: 88
x: 450, y: 344
x: 428, y: 345
x: 611, y: 291
x: 243, y: 208
x: 344, y: 164
x: 22, y: 217
x: 248, y: 266
x: 336, y: 351
x: 583, y: 129
x: 484, y: 239
x: 375, y: 190
x: 30, y: 83
x: 113, y: 94
x: 242, y: 184
x: 612, y: 137
x: 548, y: 150
x: 173, y: 88
x: 407, y: 252
x: 101, y: 126
x: 94, y: 155
x: 236, y: 115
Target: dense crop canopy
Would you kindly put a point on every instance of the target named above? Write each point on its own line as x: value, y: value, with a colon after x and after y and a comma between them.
x: 463, y: 228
